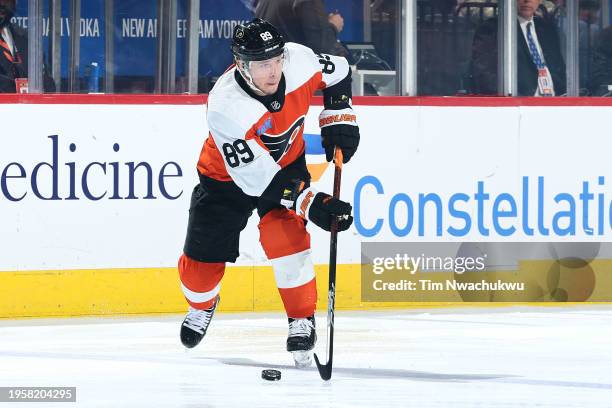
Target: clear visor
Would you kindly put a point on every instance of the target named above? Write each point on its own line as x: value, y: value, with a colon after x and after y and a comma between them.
x: 265, y: 68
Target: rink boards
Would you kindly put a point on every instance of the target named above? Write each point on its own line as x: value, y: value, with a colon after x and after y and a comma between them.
x: 94, y: 193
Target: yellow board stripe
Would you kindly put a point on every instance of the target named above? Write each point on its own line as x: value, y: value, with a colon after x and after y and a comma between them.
x: 157, y: 290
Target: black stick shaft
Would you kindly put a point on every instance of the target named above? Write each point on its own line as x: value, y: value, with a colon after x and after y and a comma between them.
x: 333, y: 252
x: 326, y: 370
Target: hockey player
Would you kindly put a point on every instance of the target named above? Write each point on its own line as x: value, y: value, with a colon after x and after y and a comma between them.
x: 254, y: 158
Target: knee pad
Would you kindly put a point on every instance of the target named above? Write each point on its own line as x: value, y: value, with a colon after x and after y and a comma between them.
x: 283, y: 232
x: 286, y: 242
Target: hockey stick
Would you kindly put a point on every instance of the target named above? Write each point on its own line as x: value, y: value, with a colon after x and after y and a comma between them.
x: 325, y: 370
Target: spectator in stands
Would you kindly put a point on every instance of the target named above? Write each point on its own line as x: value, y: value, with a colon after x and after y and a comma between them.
x: 540, y: 64
x: 305, y: 22
x: 14, y: 53
x: 588, y: 30
x: 601, y: 68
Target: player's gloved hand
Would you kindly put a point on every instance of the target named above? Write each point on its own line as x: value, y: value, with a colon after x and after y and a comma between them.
x: 320, y: 208
x: 339, y: 128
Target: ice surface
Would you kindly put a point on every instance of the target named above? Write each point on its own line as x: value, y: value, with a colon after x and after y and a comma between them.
x: 483, y: 357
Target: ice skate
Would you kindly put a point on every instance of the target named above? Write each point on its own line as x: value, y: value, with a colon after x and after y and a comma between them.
x: 195, y: 325
x: 301, y: 340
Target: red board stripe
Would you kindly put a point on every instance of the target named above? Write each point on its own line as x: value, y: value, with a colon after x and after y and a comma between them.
x: 150, y: 99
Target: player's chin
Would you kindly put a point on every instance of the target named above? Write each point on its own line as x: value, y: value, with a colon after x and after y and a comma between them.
x: 270, y: 89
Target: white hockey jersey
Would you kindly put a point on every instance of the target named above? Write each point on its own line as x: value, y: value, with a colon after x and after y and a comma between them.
x: 250, y: 142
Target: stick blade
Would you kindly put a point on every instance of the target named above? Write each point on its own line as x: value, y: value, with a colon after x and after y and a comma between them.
x: 325, y: 370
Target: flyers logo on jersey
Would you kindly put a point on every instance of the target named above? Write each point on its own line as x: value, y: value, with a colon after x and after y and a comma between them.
x: 340, y: 118
x: 280, y: 144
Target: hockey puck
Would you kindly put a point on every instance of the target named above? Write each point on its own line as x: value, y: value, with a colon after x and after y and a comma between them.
x: 271, y: 375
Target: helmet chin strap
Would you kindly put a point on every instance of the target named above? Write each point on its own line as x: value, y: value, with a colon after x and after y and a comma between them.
x: 247, y: 77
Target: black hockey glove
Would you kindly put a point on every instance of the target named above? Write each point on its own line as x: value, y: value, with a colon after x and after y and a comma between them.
x: 320, y: 208
x: 339, y: 128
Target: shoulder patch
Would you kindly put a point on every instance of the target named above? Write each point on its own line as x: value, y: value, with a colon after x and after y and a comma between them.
x: 265, y: 126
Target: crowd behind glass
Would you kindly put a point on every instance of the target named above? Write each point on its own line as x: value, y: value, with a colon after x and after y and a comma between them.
x: 456, y: 44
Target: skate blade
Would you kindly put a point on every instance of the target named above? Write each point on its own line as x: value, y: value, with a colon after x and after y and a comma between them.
x: 302, y: 359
